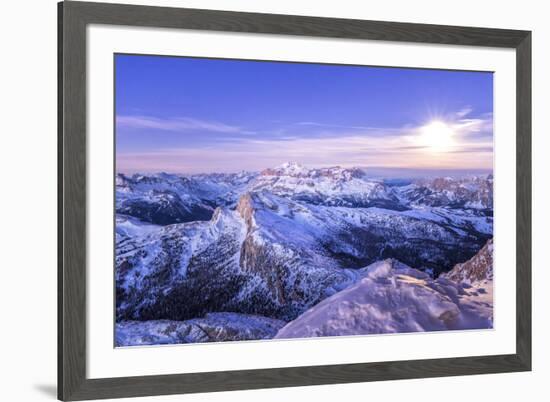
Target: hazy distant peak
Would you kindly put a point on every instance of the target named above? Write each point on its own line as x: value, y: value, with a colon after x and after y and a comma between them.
x: 293, y: 169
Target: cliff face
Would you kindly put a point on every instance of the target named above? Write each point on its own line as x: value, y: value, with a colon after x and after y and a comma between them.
x: 479, y: 268
x: 245, y: 208
x: 274, y: 256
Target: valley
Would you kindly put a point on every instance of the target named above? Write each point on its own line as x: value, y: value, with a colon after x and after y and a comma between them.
x: 277, y: 253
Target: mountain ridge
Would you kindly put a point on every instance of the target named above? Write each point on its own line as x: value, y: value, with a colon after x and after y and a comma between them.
x: 276, y: 243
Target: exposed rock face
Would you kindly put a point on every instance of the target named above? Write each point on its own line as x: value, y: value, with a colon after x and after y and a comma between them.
x: 245, y: 209
x: 477, y: 269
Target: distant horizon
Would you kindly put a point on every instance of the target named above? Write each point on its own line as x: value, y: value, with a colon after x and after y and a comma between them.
x: 196, y: 115
x: 371, y: 171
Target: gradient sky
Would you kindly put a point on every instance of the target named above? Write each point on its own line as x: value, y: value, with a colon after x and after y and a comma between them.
x: 189, y: 115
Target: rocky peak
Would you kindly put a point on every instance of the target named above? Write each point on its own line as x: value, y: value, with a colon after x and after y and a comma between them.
x: 296, y: 170
x: 476, y: 269
x: 245, y: 208
x: 292, y: 169
x: 121, y: 180
x: 470, y: 192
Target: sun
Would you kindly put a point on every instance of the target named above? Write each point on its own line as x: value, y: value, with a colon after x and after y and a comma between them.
x: 437, y: 136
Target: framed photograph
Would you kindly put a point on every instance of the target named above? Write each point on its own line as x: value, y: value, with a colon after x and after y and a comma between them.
x: 255, y: 201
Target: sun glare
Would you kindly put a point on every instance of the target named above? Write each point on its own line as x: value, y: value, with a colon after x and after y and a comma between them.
x: 437, y: 136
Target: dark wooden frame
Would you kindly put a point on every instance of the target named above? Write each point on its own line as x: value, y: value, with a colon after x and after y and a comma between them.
x: 73, y: 19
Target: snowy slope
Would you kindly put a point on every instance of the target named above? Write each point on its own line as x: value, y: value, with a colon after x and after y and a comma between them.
x: 354, y: 237
x: 181, y: 271
x: 394, y: 298
x: 128, y: 227
x: 167, y: 198
x: 214, y: 327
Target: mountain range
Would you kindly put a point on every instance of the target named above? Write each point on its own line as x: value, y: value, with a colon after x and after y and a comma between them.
x: 248, y: 254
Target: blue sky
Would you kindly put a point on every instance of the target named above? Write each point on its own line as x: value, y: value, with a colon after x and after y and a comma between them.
x: 192, y: 115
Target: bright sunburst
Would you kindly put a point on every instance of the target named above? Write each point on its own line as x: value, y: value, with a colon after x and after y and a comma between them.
x: 437, y: 136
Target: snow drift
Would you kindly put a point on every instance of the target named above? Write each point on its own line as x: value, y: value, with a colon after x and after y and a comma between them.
x: 394, y: 298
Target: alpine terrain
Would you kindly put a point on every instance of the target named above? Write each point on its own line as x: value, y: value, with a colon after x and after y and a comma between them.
x: 292, y: 251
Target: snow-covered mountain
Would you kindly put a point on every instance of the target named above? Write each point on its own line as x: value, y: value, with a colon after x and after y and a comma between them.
x: 475, y: 192
x: 274, y: 256
x: 241, y: 260
x: 334, y: 186
x: 394, y: 298
x: 273, y: 244
x: 167, y: 198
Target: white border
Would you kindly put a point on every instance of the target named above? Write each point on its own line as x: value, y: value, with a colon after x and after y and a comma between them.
x: 105, y: 361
